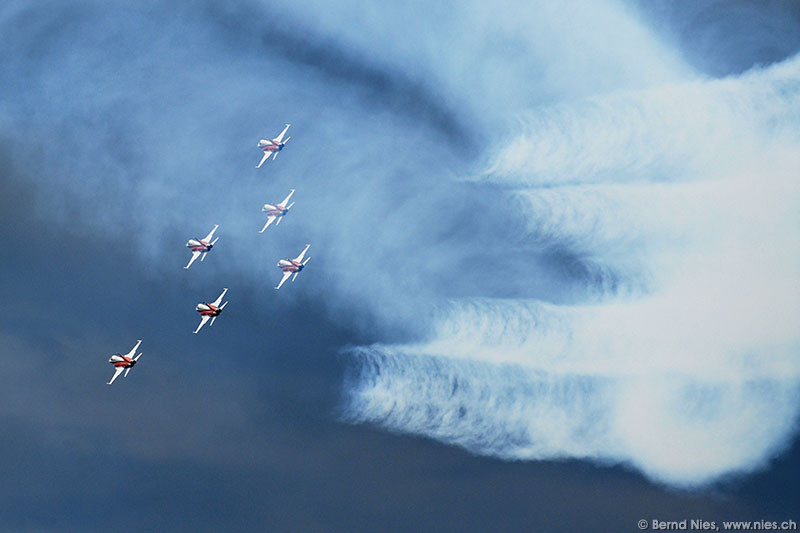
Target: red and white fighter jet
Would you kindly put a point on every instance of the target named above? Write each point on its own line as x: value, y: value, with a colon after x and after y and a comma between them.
x: 201, y: 246
x: 211, y: 311
x: 292, y: 266
x: 276, y: 211
x: 124, y: 362
x: 273, y: 146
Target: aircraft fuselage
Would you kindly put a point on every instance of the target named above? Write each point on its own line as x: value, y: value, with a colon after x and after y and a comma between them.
x: 208, y: 309
x: 270, y: 146
x: 199, y: 245
x: 274, y: 210
x: 121, y: 360
x: 290, y: 265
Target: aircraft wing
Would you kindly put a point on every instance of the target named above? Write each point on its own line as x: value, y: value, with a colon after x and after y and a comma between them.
x: 194, y: 256
x: 270, y: 220
x: 279, y: 138
x: 221, y: 296
x: 117, y: 371
x: 266, y: 156
x: 286, y: 276
x: 203, y: 321
x: 133, y: 352
x: 211, y: 234
x: 286, y: 200
x: 299, y: 258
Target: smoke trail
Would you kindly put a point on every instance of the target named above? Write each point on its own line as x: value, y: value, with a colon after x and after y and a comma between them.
x: 693, y: 375
x: 674, y: 428
x: 665, y: 134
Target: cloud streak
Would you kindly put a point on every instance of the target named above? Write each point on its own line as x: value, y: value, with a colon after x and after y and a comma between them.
x: 687, y: 369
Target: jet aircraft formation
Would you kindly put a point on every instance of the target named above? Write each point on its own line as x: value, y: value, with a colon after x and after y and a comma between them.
x: 201, y: 247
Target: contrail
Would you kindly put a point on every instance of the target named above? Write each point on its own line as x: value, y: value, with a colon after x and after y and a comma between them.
x: 666, y: 133
x: 690, y: 375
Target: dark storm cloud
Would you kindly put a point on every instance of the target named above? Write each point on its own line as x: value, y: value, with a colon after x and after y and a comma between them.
x: 128, y: 130
x: 122, y: 116
x: 255, y: 29
x: 727, y: 37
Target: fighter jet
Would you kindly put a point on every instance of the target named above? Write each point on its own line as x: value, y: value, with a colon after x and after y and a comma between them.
x: 292, y: 266
x: 124, y: 362
x: 273, y: 146
x: 276, y: 211
x: 201, y: 246
x: 211, y: 311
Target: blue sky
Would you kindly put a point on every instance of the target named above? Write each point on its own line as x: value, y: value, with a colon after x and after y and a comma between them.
x: 553, y: 264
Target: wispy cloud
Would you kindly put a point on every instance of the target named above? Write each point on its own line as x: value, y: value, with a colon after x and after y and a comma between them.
x: 687, y: 367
